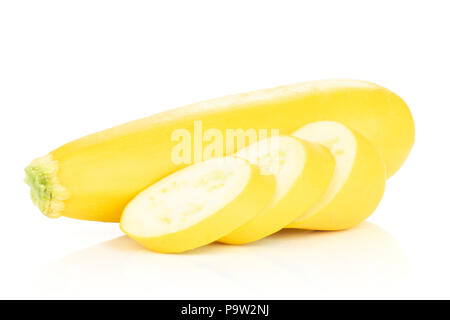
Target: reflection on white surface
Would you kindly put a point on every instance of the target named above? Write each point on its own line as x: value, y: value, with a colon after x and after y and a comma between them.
x: 290, y: 264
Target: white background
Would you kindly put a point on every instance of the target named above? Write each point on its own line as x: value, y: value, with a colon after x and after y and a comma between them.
x: 69, y: 68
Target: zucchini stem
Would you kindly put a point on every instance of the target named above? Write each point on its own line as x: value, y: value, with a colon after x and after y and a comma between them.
x: 46, y: 191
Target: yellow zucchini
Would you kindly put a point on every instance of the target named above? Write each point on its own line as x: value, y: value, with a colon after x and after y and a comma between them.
x: 94, y: 177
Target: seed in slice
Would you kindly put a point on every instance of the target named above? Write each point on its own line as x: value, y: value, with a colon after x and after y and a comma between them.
x: 197, y: 205
x: 357, y: 184
x: 302, y: 171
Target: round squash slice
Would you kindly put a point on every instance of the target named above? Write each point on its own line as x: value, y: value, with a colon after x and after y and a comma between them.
x: 197, y: 205
x: 357, y: 185
x: 302, y: 171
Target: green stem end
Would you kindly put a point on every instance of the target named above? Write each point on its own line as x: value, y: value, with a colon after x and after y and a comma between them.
x: 46, y: 191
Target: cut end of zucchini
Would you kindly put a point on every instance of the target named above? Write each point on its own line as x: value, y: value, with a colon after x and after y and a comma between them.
x: 46, y: 191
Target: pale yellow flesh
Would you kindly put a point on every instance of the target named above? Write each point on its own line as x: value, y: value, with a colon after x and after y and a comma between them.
x: 357, y: 184
x: 302, y: 172
x: 102, y: 172
x: 197, y: 205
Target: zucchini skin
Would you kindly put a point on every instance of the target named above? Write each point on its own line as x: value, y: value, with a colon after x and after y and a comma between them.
x: 103, y: 171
